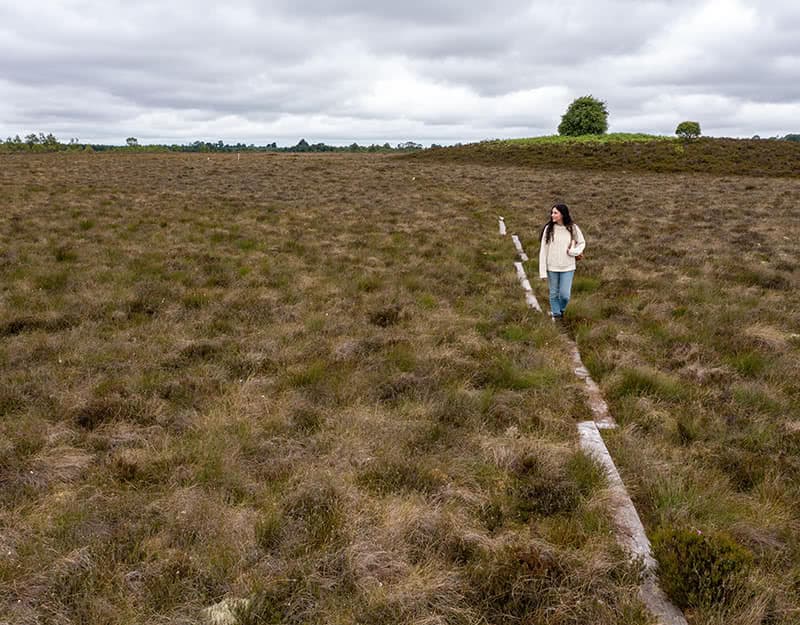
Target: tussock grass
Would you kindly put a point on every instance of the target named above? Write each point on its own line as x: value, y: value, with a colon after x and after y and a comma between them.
x: 312, y: 382
x: 685, y: 311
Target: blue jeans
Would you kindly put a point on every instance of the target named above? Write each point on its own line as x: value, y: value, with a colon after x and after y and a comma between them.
x: 560, y: 283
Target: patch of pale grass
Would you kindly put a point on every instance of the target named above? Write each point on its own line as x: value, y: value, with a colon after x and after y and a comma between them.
x: 773, y: 338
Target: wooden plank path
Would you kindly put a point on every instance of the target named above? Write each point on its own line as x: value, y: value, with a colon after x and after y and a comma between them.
x: 629, y: 529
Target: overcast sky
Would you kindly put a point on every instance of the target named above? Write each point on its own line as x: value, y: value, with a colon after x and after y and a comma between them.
x: 373, y: 71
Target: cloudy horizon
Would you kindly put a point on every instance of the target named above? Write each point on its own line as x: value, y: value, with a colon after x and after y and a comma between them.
x: 375, y: 72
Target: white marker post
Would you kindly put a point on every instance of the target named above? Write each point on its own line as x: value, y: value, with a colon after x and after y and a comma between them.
x: 518, y: 245
x: 530, y: 298
x: 502, y: 227
x: 630, y: 531
x: 602, y: 416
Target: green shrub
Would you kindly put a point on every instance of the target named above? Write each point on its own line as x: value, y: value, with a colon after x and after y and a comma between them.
x: 585, y: 116
x: 688, y: 130
x: 698, y: 569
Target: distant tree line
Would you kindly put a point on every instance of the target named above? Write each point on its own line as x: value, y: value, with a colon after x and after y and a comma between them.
x: 49, y: 143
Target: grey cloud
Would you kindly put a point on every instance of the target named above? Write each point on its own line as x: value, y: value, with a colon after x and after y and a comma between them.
x: 115, y: 62
x: 422, y: 12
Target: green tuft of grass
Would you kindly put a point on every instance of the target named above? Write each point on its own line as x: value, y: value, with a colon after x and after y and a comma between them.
x: 541, y: 487
x: 52, y: 281
x: 687, y: 429
x: 64, y: 254
x: 369, y: 284
x: 501, y: 373
x: 535, y: 336
x: 754, y: 399
x: 307, y: 419
x: 427, y: 301
x: 269, y: 529
x: 312, y: 374
x: 762, y: 277
x: 749, y: 363
x: 586, y: 472
x: 585, y: 284
x: 385, y: 476
x: 386, y: 316
x: 645, y: 381
x: 318, y: 506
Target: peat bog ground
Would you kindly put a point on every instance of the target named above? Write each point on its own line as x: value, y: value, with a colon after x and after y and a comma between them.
x: 311, y: 381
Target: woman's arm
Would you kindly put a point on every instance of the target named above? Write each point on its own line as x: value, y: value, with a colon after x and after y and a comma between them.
x: 543, y: 256
x: 578, y: 244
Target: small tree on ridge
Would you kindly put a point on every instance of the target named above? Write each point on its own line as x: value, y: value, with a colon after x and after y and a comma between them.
x: 585, y: 116
x: 688, y: 130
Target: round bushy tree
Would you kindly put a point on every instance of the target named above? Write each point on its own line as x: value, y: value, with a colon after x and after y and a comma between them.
x: 585, y: 116
x: 688, y: 130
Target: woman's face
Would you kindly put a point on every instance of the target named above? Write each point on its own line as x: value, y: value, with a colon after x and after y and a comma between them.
x: 555, y: 215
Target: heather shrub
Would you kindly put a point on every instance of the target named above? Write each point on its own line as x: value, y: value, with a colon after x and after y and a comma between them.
x: 697, y: 569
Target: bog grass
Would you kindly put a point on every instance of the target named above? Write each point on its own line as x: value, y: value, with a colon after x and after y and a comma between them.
x: 311, y: 381
x: 307, y: 382
x: 686, y: 313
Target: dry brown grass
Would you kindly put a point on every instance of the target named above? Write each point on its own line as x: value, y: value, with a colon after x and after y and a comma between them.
x: 313, y: 382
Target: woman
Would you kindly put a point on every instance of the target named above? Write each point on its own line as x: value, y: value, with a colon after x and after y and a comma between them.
x: 562, y: 241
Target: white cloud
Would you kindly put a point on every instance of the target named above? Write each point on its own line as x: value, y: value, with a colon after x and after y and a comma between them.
x: 375, y: 70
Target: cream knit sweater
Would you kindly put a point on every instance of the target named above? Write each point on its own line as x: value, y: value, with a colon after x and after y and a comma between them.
x: 560, y: 253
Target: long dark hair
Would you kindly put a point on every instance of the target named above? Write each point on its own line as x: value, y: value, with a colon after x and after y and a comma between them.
x: 547, y: 231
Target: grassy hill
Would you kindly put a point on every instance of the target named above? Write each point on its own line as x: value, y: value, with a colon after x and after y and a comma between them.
x: 632, y: 152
